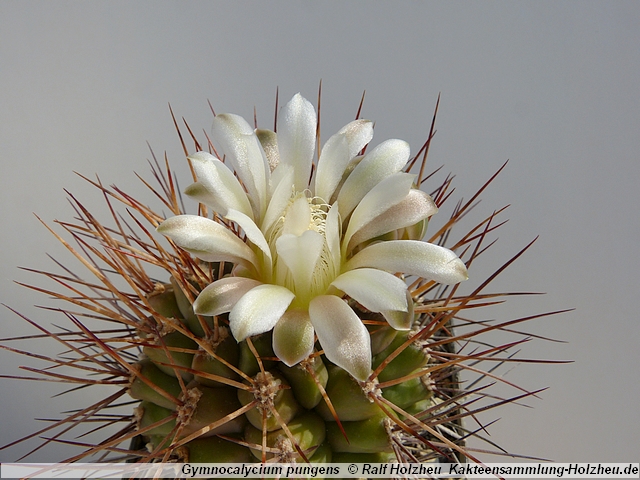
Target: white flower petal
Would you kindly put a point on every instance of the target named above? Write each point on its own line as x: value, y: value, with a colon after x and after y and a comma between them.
x: 207, y: 240
x: 374, y: 289
x: 333, y: 161
x: 269, y: 141
x: 386, y: 159
x: 199, y: 192
x: 222, y: 295
x: 293, y: 337
x: 216, y: 177
x: 400, y: 320
x: 244, y: 152
x: 259, y: 310
x: 336, y: 155
x: 297, y: 137
x: 412, y: 257
x: 359, y: 133
x: 332, y: 234
x: 300, y: 254
x: 415, y: 207
x: 389, y: 192
x: 342, y: 335
x: 280, y: 197
x: 255, y: 236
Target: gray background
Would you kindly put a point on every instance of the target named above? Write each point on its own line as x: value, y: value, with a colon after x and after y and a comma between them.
x: 553, y: 86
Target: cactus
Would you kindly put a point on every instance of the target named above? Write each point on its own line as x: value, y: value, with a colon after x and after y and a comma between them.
x: 295, y: 320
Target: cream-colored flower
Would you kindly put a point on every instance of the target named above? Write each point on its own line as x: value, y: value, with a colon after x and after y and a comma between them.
x: 306, y: 242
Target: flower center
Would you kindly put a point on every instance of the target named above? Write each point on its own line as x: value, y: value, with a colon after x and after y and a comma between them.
x: 301, y: 256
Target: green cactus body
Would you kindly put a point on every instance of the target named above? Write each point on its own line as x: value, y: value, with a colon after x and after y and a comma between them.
x: 288, y: 407
x: 300, y: 321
